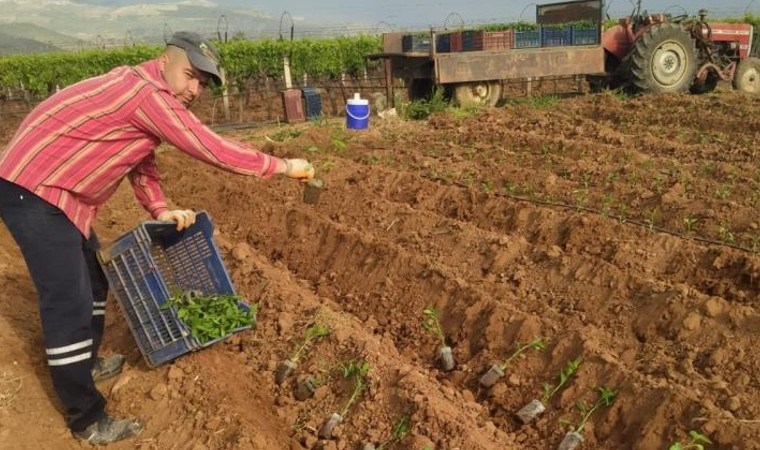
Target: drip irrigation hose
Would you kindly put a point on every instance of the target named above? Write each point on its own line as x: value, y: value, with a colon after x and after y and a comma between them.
x: 601, y: 213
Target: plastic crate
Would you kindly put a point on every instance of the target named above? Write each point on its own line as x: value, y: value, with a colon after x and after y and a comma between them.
x: 312, y: 103
x: 291, y: 102
x: 147, y: 265
x: 415, y: 43
x: 456, y: 41
x: 527, y: 39
x: 585, y: 36
x: 554, y: 37
x: 443, y: 43
x: 472, y: 40
x: 497, y: 40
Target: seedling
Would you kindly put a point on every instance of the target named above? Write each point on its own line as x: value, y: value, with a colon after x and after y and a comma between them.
x: 400, y: 430
x: 433, y: 325
x: 357, y: 371
x: 696, y: 442
x: 306, y: 388
x: 530, y: 411
x: 212, y: 316
x: 574, y: 438
x: 286, y: 367
x: 497, y: 370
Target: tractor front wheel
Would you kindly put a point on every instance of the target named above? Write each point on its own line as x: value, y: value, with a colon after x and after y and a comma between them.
x: 747, y: 76
x: 663, y: 60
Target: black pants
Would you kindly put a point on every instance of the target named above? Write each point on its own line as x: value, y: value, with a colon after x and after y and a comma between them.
x: 72, y: 292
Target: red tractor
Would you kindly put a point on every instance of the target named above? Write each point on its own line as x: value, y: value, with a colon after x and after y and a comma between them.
x: 657, y: 53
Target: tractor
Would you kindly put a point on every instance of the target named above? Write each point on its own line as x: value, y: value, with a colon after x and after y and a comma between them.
x: 658, y: 53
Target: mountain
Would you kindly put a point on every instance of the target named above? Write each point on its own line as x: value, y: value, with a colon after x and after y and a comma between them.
x: 10, y: 45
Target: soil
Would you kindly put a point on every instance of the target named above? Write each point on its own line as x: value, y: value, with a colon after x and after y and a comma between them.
x: 623, y: 230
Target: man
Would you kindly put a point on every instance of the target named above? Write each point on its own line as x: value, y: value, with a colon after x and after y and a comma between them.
x: 66, y: 159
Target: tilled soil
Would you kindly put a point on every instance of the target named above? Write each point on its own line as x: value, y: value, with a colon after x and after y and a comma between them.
x: 623, y: 231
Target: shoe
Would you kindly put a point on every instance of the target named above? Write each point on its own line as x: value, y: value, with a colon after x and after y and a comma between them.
x: 105, y: 368
x: 107, y: 430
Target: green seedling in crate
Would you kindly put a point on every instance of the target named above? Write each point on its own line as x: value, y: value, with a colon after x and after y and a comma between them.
x: 357, y: 372
x: 696, y: 442
x: 400, y: 430
x: 212, y: 316
x: 533, y: 409
x: 433, y: 325
x: 497, y: 370
x: 286, y: 367
x: 574, y: 438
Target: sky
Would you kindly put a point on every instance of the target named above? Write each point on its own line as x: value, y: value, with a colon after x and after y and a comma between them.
x: 120, y: 18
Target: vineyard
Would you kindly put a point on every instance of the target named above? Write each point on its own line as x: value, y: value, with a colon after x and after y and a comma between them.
x: 594, y: 254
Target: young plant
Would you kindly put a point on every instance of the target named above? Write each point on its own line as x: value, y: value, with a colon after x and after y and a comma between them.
x: 574, y: 438
x: 696, y: 442
x: 357, y: 371
x: 212, y: 316
x: 497, y: 370
x: 400, y: 430
x: 312, y: 333
x: 433, y: 325
x: 564, y: 376
x: 286, y: 367
x: 606, y: 398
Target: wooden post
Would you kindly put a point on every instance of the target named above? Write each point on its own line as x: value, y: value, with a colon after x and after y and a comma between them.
x: 286, y: 67
x: 529, y: 87
x: 389, y: 83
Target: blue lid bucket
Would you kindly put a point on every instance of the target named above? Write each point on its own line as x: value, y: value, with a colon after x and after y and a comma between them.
x: 357, y: 113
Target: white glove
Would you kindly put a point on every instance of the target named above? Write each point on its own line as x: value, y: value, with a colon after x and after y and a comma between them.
x: 300, y: 169
x: 183, y: 217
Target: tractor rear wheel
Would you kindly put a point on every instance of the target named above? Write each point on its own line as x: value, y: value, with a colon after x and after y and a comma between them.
x: 477, y: 92
x: 747, y: 76
x: 663, y: 60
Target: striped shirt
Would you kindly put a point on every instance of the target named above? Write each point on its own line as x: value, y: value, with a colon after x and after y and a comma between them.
x: 75, y: 147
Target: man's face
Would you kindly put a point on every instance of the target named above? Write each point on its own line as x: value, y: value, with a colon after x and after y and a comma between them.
x: 185, y: 81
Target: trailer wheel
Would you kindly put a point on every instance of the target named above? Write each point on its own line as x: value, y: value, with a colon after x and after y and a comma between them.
x: 663, y: 60
x: 478, y: 92
x: 747, y: 76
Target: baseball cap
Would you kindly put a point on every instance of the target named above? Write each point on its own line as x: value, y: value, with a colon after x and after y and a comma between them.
x: 201, y: 53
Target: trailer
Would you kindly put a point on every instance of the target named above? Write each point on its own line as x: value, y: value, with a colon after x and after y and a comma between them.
x: 644, y: 53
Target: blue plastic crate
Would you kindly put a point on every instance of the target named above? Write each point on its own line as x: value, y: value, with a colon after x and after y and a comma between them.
x: 443, y: 43
x: 585, y: 36
x: 527, y: 39
x: 552, y: 37
x: 147, y: 265
x: 313, y: 103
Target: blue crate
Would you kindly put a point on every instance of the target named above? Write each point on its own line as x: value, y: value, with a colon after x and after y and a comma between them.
x: 472, y: 40
x: 415, y: 43
x: 527, y: 39
x: 147, y: 265
x: 585, y: 36
x: 312, y: 103
x: 443, y: 43
x: 552, y: 37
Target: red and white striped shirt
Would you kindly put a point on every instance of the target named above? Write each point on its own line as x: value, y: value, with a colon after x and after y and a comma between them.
x: 74, y: 148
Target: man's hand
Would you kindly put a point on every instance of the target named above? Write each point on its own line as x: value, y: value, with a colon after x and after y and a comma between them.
x: 183, y: 217
x: 299, y: 169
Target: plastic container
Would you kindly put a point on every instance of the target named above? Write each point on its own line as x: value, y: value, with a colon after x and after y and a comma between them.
x: 146, y: 266
x: 284, y: 369
x: 446, y: 358
x: 291, y: 102
x: 585, y: 36
x: 492, y: 376
x: 527, y: 39
x: 312, y: 190
x: 571, y: 441
x: 312, y: 103
x: 357, y: 113
x: 415, y: 43
x: 556, y: 37
x: 443, y: 43
x: 530, y: 411
x: 326, y: 432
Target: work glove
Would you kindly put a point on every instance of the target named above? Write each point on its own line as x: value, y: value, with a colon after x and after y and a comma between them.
x: 299, y: 169
x: 183, y: 217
